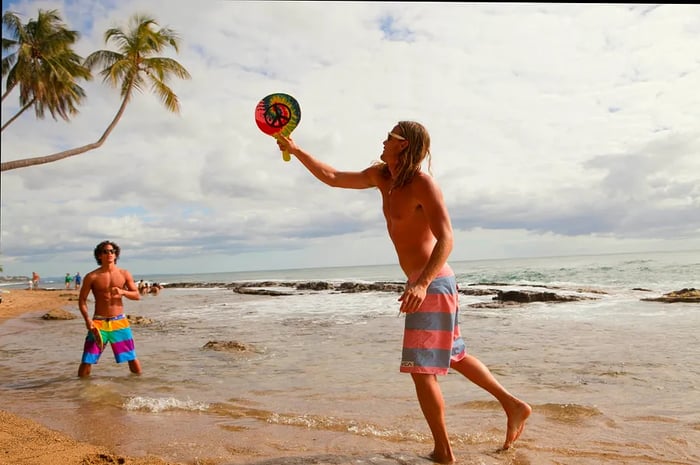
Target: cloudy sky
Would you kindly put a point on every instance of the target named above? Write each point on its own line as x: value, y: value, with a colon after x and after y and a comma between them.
x: 556, y: 130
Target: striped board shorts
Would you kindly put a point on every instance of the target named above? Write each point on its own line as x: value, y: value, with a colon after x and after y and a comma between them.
x: 116, y: 332
x: 431, y: 338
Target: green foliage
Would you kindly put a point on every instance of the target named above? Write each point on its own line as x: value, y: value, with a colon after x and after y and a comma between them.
x: 43, y: 64
x: 46, y: 69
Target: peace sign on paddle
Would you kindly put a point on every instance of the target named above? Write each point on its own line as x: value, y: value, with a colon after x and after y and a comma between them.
x: 278, y: 114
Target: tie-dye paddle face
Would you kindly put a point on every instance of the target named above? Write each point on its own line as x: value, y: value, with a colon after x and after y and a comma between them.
x: 278, y: 114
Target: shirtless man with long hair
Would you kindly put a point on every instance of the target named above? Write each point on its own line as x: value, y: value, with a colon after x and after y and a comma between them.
x: 420, y: 228
x: 108, y: 284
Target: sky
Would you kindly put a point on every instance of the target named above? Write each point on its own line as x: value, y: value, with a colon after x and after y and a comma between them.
x: 556, y: 130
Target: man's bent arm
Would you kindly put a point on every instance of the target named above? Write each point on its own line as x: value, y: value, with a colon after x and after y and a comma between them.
x: 438, y: 258
x: 430, y: 197
x: 130, y: 290
x: 82, y: 301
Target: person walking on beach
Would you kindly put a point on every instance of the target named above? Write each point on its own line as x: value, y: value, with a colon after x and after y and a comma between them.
x: 35, y: 280
x: 68, y: 280
x: 420, y: 228
x: 108, y: 284
x: 77, y: 279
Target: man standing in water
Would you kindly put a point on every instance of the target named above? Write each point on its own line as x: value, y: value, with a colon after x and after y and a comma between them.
x: 108, y: 284
x: 420, y: 228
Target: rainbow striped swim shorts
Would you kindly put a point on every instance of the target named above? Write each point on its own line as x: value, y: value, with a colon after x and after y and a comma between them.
x: 115, y: 331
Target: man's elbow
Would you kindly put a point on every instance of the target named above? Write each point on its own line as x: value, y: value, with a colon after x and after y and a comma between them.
x: 446, y: 239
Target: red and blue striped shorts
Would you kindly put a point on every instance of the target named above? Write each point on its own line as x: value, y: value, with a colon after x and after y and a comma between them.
x: 431, y: 338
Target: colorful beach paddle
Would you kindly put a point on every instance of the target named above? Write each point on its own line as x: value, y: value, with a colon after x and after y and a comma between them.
x: 278, y: 114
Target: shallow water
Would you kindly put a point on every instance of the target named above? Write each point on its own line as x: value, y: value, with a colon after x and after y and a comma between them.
x: 611, y: 381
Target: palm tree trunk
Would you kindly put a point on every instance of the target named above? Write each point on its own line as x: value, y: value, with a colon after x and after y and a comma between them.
x: 17, y: 115
x: 11, y: 165
x: 7, y: 92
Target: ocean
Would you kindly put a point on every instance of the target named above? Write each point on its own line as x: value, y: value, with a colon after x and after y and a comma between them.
x: 612, y: 379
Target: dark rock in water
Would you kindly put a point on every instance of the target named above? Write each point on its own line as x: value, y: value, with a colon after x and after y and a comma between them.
x: 505, y: 299
x: 229, y: 346
x: 195, y: 285
x: 530, y: 296
x: 315, y: 286
x: 352, y: 287
x: 58, y: 315
x: 477, y: 291
x: 258, y: 288
x: 495, y: 304
x: 139, y: 320
x: 691, y: 295
x: 248, y: 291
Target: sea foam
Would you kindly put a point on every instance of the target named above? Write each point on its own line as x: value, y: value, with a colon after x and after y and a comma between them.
x: 155, y: 405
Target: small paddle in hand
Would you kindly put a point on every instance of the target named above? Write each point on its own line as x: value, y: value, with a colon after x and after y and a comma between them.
x: 278, y: 114
x: 98, y: 338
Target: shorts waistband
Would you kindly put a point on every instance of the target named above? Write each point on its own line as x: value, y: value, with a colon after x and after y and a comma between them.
x: 109, y: 318
x: 446, y: 270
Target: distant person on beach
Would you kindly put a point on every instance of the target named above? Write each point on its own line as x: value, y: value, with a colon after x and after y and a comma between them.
x: 143, y: 287
x: 421, y: 231
x: 35, y: 280
x: 108, y: 284
x: 77, y: 279
x: 155, y: 289
x: 69, y: 279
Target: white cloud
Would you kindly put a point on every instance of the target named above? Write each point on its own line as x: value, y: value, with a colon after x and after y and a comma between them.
x: 556, y: 129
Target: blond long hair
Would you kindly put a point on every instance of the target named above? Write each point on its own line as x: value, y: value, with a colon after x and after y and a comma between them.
x: 412, y: 157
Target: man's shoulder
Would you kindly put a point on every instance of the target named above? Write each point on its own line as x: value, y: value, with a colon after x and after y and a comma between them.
x: 124, y: 272
x: 92, y: 273
x: 97, y: 271
x: 422, y: 180
x: 378, y: 173
x: 375, y: 169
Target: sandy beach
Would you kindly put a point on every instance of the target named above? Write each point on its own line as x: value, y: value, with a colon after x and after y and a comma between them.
x: 26, y: 442
x: 16, y: 302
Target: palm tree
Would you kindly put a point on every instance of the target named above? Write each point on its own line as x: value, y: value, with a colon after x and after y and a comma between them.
x: 130, y: 68
x: 43, y: 65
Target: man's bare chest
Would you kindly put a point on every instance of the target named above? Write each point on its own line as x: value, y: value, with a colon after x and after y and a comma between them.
x: 109, y: 279
x: 400, y: 207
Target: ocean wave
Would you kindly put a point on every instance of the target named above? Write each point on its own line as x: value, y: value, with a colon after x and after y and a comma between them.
x: 329, y: 423
x: 156, y: 405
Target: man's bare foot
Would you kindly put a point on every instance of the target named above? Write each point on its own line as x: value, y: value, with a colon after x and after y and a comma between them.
x: 516, y: 422
x: 445, y: 460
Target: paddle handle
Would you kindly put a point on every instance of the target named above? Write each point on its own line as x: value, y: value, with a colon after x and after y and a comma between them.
x: 285, y: 154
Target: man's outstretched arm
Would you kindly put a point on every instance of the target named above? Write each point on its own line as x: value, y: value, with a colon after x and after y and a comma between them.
x: 325, y: 172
